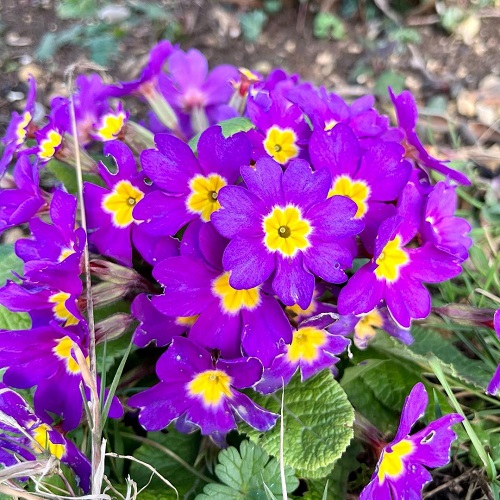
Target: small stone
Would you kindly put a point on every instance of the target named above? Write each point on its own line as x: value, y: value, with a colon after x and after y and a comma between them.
x: 14, y: 96
x: 14, y: 40
x: 263, y: 67
x: 113, y: 13
x: 466, y: 103
x: 290, y: 46
x: 324, y: 58
x: 30, y: 69
x: 468, y: 29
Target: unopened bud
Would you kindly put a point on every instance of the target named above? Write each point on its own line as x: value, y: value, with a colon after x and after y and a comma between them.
x: 114, y: 273
x: 467, y: 315
x: 137, y: 137
x: 112, y: 327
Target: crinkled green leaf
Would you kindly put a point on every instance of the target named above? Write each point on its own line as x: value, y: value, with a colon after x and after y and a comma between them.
x: 318, y: 420
x: 336, y: 483
x: 186, y: 446
x: 244, y: 474
x: 229, y: 128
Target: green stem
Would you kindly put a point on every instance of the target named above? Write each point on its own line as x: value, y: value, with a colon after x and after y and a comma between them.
x: 485, y: 458
x: 170, y: 453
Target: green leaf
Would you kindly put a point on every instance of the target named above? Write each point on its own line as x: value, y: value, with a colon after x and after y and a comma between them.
x: 318, y: 420
x: 229, y: 128
x: 389, y: 79
x: 334, y: 487
x: 9, y: 262
x: 102, y: 48
x: 429, y: 340
x: 76, y: 9
x: 14, y: 321
x: 367, y: 395
x: 67, y: 175
x: 328, y: 25
x: 47, y: 47
x: 252, y: 24
x: 186, y: 446
x: 244, y: 474
x: 115, y: 349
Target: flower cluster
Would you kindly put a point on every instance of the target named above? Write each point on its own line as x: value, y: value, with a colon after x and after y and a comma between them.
x: 251, y: 252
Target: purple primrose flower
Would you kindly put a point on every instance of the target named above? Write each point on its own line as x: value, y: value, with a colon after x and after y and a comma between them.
x: 17, y: 131
x: 236, y: 322
x: 494, y: 384
x: 284, y: 223
x: 189, y: 186
x: 400, y: 471
x: 29, y: 437
x: 202, y: 392
x: 407, y: 113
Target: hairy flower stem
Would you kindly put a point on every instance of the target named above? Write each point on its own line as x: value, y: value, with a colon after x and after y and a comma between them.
x: 96, y: 430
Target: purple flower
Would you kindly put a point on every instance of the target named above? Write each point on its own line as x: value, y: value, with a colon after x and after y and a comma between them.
x: 53, y: 253
x: 235, y: 322
x: 407, y: 113
x: 155, y: 326
x: 20, y: 204
x: 50, y: 137
x: 284, y: 223
x: 189, y: 186
x: 29, y: 437
x: 52, y: 367
x: 400, y: 471
x: 441, y: 227
x: 281, y: 131
x: 311, y: 350
x: 494, y: 384
x: 43, y: 303
x: 109, y: 210
x: 395, y: 273
x: 325, y: 110
x: 191, y: 90
x: 363, y: 327
x: 372, y: 176
x: 202, y: 392
x: 148, y: 81
x: 17, y: 131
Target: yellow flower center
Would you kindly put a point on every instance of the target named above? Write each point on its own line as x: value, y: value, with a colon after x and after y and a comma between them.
x: 281, y: 144
x: 47, y: 147
x: 390, y: 261
x: 64, y: 350
x: 232, y: 300
x: 65, y: 253
x: 306, y: 344
x: 111, y: 126
x: 296, y: 309
x: 186, y: 320
x: 286, y: 231
x: 21, y: 128
x: 392, y: 464
x: 330, y: 124
x: 120, y: 203
x: 204, y: 195
x: 358, y: 191
x: 60, y: 310
x: 43, y: 443
x: 365, y: 328
x: 211, y: 386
